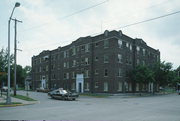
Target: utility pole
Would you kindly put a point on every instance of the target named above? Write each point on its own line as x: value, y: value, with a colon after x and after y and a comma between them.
x: 15, y: 52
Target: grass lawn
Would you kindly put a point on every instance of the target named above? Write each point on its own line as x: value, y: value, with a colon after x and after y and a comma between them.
x: 23, y: 97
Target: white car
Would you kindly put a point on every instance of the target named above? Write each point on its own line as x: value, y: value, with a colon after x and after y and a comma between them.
x: 5, y: 89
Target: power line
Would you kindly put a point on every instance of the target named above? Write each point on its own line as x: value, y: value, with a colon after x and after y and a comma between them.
x: 67, y: 16
x: 149, y: 20
x: 128, y: 25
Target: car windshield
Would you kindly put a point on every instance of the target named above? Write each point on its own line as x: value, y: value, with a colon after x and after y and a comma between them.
x: 63, y: 91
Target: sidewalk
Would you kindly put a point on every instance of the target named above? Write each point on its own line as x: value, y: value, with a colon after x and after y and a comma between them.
x: 15, y: 100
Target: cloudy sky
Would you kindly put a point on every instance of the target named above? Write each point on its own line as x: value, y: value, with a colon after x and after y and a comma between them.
x: 48, y: 24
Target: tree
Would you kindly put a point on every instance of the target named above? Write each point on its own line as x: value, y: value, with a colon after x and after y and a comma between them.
x: 4, y: 65
x: 163, y: 73
x: 142, y: 75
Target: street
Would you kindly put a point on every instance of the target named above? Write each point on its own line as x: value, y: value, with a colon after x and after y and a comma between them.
x: 114, y: 108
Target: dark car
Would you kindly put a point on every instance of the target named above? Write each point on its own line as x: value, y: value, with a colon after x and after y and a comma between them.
x: 63, y: 94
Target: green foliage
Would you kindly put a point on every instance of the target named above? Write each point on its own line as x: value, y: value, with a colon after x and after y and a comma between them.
x: 23, y: 97
x: 4, y: 64
x: 21, y: 73
x: 161, y: 73
x: 142, y: 74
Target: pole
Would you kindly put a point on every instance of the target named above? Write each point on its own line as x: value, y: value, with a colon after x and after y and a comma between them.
x: 8, y: 99
x: 15, y: 46
x: 15, y: 52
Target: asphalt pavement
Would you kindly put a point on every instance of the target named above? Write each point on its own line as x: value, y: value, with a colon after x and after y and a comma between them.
x: 113, y: 108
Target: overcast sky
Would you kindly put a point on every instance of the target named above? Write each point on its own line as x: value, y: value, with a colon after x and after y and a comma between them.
x: 48, y: 24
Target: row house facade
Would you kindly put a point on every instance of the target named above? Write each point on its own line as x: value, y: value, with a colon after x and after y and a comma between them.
x: 100, y: 63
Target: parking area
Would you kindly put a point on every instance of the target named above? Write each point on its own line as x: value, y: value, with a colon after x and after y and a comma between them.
x: 114, y: 108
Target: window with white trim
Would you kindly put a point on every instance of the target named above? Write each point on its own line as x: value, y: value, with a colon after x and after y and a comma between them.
x: 120, y: 43
x: 73, y: 51
x: 138, y: 49
x: 119, y: 86
x: 74, y: 63
x: 119, y: 74
x: 106, y: 59
x: 87, y: 61
x: 96, y: 72
x: 106, y: 43
x: 119, y: 58
x: 86, y: 74
x: 105, y: 86
x: 86, y: 86
x: 87, y: 47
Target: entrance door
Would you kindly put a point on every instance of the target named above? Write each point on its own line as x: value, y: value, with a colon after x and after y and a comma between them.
x: 80, y: 86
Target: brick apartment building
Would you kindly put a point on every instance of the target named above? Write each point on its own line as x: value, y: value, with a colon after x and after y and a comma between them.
x: 93, y: 64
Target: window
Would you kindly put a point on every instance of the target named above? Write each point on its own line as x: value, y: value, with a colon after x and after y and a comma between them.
x: 67, y: 64
x: 96, y: 85
x: 127, y: 45
x: 87, y: 61
x: 144, y: 52
x: 39, y: 60
x: 87, y: 47
x: 53, y: 76
x: 64, y: 75
x: 64, y: 64
x: 66, y: 54
x: 46, y: 67
x: 119, y: 74
x: 138, y: 49
x: 130, y: 47
x: 137, y: 86
x: 119, y: 86
x: 130, y: 60
x: 106, y: 59
x: 82, y: 47
x: 86, y: 74
x: 106, y: 43
x: 53, y: 67
x: 73, y: 51
x: 67, y: 75
x: 96, y: 71
x: 82, y: 60
x: 120, y: 43
x: 105, y: 86
x: 105, y: 72
x: 77, y: 49
x: 96, y: 44
x: 73, y: 75
x: 96, y: 58
x: 39, y: 69
x: 137, y: 62
x: 119, y: 58
x: 73, y: 86
x: 74, y: 63
x: 87, y: 86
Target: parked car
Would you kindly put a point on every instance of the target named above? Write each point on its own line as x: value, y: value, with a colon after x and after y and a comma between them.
x: 63, y: 94
x: 5, y: 89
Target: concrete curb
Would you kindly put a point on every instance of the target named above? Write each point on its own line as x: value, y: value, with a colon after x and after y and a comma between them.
x: 14, y: 105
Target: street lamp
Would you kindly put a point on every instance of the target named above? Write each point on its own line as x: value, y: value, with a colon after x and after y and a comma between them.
x: 8, y: 99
